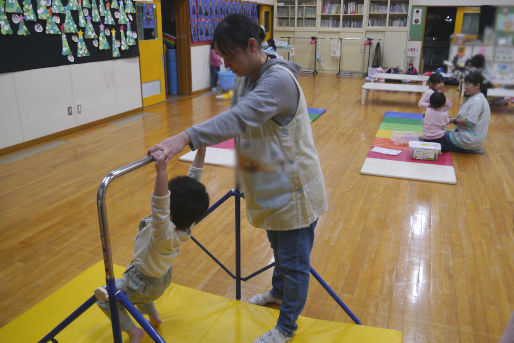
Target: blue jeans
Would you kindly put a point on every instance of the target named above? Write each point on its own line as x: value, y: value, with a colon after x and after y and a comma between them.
x: 292, y: 251
x: 447, y: 144
x: 214, y: 75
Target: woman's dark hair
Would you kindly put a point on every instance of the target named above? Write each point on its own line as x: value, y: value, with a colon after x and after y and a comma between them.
x: 437, y: 99
x: 476, y: 78
x: 435, y: 78
x: 234, y: 32
x: 189, y: 201
x: 478, y: 61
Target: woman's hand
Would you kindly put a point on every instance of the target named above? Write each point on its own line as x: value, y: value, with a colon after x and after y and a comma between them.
x: 169, y: 147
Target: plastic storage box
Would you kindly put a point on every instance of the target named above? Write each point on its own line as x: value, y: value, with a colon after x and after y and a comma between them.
x: 226, y: 80
x: 424, y: 150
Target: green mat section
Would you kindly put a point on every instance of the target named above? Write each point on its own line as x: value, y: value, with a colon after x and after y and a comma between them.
x: 402, y: 121
x: 401, y: 127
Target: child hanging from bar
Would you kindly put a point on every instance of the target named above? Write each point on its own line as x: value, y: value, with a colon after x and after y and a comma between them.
x: 176, y: 206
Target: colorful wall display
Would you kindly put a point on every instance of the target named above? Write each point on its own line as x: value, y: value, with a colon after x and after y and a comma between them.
x: 48, y: 33
x: 204, y: 15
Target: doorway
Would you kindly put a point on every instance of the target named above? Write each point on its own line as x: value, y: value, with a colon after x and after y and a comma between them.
x: 439, y: 26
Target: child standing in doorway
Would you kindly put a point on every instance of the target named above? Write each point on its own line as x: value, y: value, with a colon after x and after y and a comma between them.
x: 215, y: 62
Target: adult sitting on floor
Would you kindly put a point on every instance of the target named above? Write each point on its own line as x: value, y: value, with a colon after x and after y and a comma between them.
x: 472, y: 122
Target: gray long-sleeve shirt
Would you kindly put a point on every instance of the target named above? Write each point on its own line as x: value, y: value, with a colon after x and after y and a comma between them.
x: 273, y: 95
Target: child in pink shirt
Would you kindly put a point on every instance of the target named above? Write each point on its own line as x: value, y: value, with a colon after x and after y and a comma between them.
x: 436, y: 118
x: 435, y: 84
x: 215, y: 62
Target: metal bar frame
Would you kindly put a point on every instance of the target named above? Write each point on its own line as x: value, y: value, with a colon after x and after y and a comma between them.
x: 116, y: 295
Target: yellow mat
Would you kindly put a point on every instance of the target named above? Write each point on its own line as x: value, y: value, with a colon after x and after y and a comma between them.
x: 188, y: 316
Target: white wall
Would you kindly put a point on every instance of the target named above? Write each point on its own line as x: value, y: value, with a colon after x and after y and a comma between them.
x: 462, y: 2
x: 200, y: 69
x: 35, y: 103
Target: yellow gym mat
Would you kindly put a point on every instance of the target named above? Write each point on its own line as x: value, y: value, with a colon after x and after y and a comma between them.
x: 188, y: 316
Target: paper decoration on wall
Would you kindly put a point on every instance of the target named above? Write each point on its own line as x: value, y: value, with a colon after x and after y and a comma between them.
x: 114, y: 4
x: 73, y: 5
x: 57, y: 7
x: 51, y: 27
x: 95, y: 15
x: 28, y: 11
x: 5, y: 27
x: 108, y: 20
x: 82, y: 19
x: 81, y: 46
x: 12, y: 6
x: 115, y: 50
x: 2, y: 10
x: 101, y: 7
x: 65, y: 46
x: 130, y: 36
x: 86, y: 4
x: 124, y: 45
x: 129, y: 7
x: 103, y: 43
x: 123, y: 16
x: 69, y: 23
x: 42, y: 11
x: 22, y: 28
x: 90, y: 31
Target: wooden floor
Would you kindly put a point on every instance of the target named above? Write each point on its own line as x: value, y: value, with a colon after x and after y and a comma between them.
x: 435, y: 261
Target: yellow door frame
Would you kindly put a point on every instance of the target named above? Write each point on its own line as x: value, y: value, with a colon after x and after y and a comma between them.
x: 459, y: 18
x: 151, y: 57
x: 265, y: 10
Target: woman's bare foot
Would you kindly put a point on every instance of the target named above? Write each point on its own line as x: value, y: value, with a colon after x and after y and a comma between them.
x: 155, y: 320
x: 135, y: 335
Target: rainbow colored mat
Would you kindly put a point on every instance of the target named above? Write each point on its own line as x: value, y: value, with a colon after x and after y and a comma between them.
x: 402, y: 165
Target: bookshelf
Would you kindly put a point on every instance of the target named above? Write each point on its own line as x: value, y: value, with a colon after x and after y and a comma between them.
x: 353, y: 14
x: 398, y: 13
x: 285, y: 13
x: 377, y: 13
x: 330, y: 14
x: 306, y: 13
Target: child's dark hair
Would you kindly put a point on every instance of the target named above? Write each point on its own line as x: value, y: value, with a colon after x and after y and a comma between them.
x: 437, y: 100
x: 234, y: 32
x: 476, y: 78
x: 478, y: 61
x: 188, y: 201
x: 435, y: 78
x: 271, y: 43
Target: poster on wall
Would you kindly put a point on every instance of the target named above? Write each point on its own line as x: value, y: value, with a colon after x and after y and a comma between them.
x: 49, y: 33
x: 204, y: 15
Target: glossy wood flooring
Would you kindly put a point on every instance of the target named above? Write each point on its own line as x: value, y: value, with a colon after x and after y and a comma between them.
x: 435, y: 261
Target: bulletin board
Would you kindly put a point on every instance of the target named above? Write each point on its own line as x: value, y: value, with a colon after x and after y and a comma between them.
x: 206, y: 14
x: 48, y: 33
x: 417, y: 24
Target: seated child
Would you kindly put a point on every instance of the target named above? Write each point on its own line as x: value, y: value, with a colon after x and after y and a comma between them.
x: 176, y: 206
x: 435, y: 84
x: 436, y: 118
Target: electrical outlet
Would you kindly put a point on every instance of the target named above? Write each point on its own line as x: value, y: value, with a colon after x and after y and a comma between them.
x: 70, y: 110
x: 79, y: 108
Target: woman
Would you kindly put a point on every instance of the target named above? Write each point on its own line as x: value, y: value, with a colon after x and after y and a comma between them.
x: 278, y: 166
x: 473, y: 119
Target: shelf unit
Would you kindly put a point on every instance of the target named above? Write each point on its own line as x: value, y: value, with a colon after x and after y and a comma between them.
x: 306, y: 13
x: 285, y: 13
